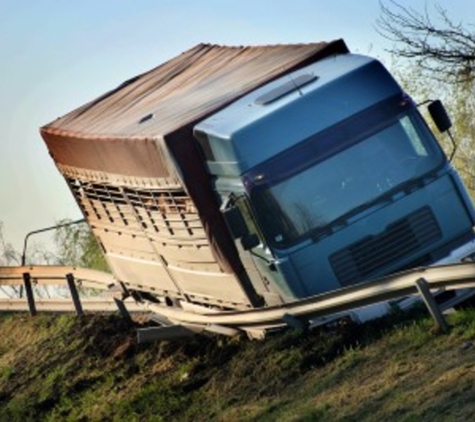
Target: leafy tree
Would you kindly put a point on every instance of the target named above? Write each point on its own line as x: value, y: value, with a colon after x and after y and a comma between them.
x: 460, y: 104
x: 77, y: 246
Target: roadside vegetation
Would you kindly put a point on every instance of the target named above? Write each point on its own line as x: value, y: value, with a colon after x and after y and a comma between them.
x: 66, y: 368
x: 434, y: 58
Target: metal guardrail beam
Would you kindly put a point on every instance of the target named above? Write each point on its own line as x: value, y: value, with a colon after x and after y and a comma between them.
x: 50, y: 275
x: 67, y: 305
x: 449, y: 277
x: 72, y: 277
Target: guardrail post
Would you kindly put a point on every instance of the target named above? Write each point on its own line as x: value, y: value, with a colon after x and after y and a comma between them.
x: 74, y: 294
x: 431, y: 304
x: 123, y: 310
x: 29, y: 293
x: 296, y: 323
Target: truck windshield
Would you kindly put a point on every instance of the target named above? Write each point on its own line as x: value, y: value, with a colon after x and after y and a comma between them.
x: 303, y: 191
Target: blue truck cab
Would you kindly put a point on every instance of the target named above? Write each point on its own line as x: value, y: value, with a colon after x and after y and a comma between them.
x: 329, y: 177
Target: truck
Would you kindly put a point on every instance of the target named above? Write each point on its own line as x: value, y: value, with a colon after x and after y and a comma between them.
x: 234, y: 178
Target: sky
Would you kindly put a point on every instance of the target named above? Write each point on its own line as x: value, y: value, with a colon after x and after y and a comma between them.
x: 57, y: 55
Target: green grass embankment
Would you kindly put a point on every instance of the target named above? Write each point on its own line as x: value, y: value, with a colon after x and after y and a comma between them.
x: 65, y: 368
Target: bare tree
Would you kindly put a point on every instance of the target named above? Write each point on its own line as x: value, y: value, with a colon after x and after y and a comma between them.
x: 8, y: 255
x: 439, y: 45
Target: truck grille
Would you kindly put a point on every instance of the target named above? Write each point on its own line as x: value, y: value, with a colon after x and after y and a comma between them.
x: 402, y: 238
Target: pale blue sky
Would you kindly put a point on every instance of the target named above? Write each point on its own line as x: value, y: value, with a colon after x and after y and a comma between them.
x: 58, y: 54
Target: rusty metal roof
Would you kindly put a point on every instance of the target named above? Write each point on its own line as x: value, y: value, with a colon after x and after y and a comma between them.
x: 185, y: 89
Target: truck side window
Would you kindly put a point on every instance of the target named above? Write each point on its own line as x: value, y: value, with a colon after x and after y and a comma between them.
x: 244, y: 208
x: 413, y: 136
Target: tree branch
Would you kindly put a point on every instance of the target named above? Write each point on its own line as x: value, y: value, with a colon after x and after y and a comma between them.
x: 438, y: 45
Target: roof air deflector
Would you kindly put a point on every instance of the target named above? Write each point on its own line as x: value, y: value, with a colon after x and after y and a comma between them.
x: 286, y: 88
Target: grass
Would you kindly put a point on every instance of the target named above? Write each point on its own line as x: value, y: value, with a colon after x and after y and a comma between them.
x: 68, y: 368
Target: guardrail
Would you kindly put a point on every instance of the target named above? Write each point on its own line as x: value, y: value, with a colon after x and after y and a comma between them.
x: 419, y: 281
x: 447, y: 277
x: 44, y: 276
x: 66, y: 305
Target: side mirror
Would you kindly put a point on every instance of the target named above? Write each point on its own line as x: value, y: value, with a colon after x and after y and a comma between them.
x: 439, y: 115
x: 249, y: 241
x: 235, y: 222
x: 442, y: 121
x: 239, y: 229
